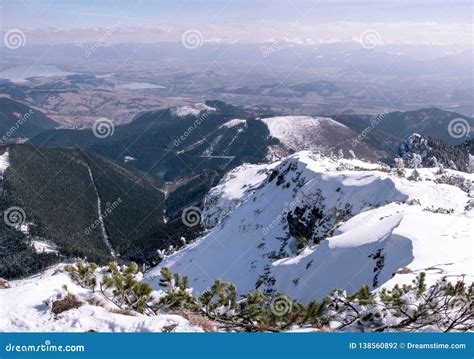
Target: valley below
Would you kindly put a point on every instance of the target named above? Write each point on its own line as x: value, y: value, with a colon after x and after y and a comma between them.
x: 246, y: 188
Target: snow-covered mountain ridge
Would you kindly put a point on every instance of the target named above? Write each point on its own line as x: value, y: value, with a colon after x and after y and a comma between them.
x: 302, y: 131
x: 298, y: 133
x: 309, y: 223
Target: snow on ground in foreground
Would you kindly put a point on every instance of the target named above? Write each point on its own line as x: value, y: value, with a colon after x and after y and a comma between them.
x: 414, y: 225
x: 26, y: 307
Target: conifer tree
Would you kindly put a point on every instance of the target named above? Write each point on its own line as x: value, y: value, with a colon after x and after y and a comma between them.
x: 83, y: 273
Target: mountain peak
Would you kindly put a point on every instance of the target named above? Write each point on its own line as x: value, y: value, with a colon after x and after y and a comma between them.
x: 307, y: 223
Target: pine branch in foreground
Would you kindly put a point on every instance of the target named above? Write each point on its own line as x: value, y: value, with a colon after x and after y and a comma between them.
x: 444, y: 306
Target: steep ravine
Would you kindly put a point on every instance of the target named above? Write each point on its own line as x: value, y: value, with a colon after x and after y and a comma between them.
x: 105, y: 236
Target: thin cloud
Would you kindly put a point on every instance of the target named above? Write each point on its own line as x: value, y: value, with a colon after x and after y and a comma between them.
x: 263, y: 32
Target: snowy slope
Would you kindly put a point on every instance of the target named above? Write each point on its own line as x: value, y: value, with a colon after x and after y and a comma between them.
x: 193, y: 110
x: 369, y: 222
x: 366, y: 224
x: 405, y: 238
x: 26, y: 306
x: 235, y: 122
x: 298, y: 133
x: 232, y: 190
x: 304, y: 132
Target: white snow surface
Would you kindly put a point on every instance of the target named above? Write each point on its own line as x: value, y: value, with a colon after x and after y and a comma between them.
x: 193, y: 110
x: 232, y: 190
x: 365, y: 210
x: 128, y: 159
x: 304, y: 132
x: 44, y: 246
x: 233, y: 123
x: 4, y: 163
x: 26, y: 306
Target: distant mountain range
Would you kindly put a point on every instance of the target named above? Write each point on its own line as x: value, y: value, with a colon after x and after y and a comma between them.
x: 387, y: 130
x: 192, y: 147
x: 197, y: 146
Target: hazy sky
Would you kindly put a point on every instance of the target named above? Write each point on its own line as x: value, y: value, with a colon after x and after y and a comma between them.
x: 245, y: 20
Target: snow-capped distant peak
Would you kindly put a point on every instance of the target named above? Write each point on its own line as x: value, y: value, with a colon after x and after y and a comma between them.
x: 305, y: 132
x: 193, y: 110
